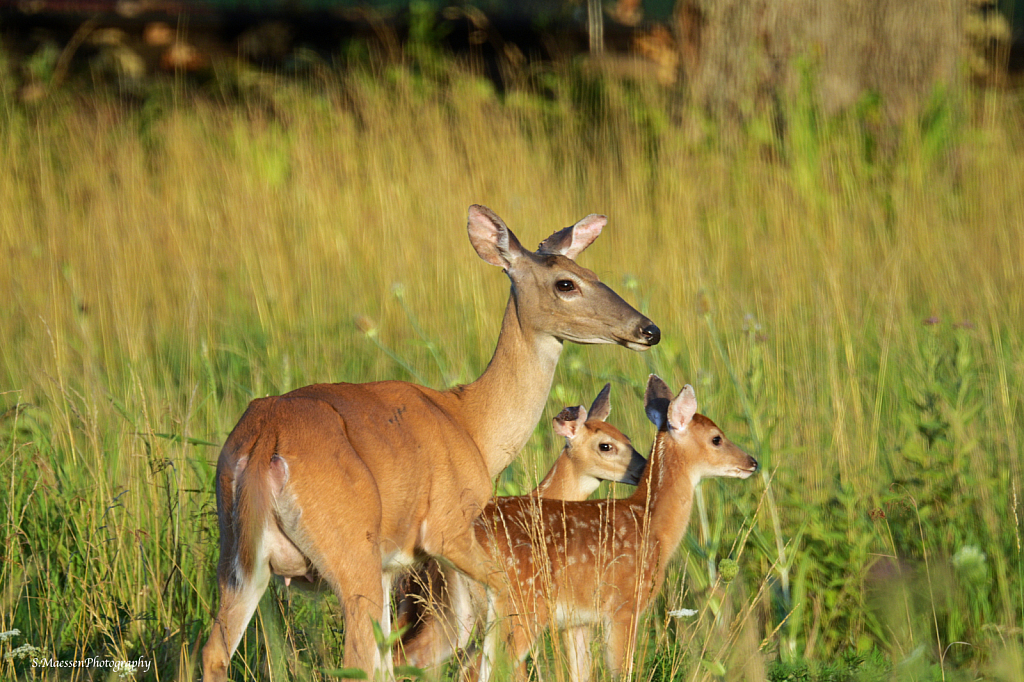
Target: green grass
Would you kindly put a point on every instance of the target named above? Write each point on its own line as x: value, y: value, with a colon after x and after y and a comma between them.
x: 845, y: 298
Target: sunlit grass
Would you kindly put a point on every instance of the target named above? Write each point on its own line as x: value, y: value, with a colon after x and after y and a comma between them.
x: 852, y: 318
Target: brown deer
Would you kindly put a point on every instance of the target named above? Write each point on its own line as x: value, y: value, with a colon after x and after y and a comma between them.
x: 602, y: 561
x: 441, y: 606
x: 351, y: 482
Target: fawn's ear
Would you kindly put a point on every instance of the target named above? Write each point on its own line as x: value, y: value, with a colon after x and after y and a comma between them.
x: 602, y: 405
x: 570, y: 420
x: 656, y: 401
x: 570, y: 241
x: 682, y: 409
x: 493, y: 241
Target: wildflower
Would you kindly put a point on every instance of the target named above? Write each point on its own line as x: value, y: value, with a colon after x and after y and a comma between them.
x: 970, y: 563
x: 683, y: 613
x: 931, y: 321
x: 23, y: 651
x: 750, y: 323
x: 4, y: 636
x: 124, y: 669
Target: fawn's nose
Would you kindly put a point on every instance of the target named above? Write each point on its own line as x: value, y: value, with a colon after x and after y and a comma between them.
x: 754, y: 466
x: 651, y: 334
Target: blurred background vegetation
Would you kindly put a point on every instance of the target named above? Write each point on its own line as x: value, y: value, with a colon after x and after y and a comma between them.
x: 820, y: 203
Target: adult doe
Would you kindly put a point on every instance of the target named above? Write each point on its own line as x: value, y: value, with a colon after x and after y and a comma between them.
x: 351, y: 482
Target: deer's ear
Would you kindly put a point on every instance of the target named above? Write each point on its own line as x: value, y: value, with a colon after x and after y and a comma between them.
x: 491, y: 238
x: 569, y: 421
x: 602, y: 405
x: 571, y: 241
x: 682, y: 409
x: 656, y: 401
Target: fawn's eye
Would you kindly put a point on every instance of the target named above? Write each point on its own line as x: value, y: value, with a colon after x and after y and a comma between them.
x: 605, y: 447
x: 716, y: 441
x: 565, y: 285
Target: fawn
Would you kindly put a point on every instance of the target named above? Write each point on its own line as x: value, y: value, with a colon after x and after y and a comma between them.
x: 602, y: 561
x: 441, y: 606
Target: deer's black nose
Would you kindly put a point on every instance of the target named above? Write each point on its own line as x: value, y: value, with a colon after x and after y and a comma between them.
x: 651, y: 334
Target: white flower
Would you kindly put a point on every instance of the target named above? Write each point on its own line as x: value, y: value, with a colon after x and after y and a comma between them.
x: 124, y: 669
x: 4, y: 636
x: 970, y: 562
x: 23, y: 651
x: 682, y: 613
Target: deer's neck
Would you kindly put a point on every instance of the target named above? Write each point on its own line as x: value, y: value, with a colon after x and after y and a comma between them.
x: 501, y: 408
x: 666, y: 493
x: 563, y: 482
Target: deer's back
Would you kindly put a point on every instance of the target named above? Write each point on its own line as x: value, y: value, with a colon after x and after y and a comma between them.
x: 389, y: 443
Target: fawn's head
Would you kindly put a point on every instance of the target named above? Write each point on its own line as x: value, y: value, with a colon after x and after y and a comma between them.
x: 704, y: 447
x: 555, y: 296
x: 598, y: 450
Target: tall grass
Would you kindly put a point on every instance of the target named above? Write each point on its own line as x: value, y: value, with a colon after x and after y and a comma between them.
x: 844, y: 295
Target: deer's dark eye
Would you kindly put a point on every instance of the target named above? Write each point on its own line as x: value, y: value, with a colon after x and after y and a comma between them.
x: 605, y: 447
x: 716, y: 441
x: 565, y: 285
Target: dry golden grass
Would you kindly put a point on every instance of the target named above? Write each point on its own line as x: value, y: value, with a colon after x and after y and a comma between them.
x: 165, y: 265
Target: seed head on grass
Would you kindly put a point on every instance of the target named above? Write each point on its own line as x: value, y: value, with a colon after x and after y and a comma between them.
x: 366, y: 325
x: 728, y: 569
x: 703, y: 304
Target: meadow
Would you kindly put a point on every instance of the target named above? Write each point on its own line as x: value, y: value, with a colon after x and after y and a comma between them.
x: 843, y: 291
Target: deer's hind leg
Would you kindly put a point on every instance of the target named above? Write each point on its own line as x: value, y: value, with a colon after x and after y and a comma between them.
x: 239, y: 597
x: 343, y: 546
